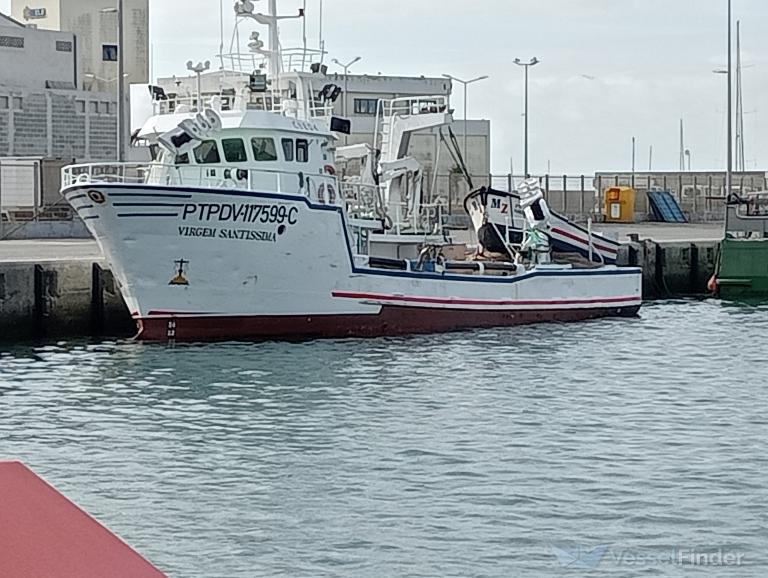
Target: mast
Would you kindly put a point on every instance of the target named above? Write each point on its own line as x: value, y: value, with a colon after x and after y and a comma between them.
x: 275, y: 61
x: 729, y: 164
x: 740, y: 161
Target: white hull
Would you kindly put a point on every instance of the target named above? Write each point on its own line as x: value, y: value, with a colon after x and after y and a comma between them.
x: 200, y: 263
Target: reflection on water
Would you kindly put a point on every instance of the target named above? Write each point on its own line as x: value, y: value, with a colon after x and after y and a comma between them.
x: 467, y: 454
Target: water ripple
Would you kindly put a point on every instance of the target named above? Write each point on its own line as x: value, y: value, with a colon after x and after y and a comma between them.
x: 469, y: 454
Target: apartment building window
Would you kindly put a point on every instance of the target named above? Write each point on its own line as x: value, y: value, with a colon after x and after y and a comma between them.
x: 80, y: 106
x: 94, y: 106
x: 109, y: 52
x: 17, y: 102
x: 11, y: 42
x: 4, y: 102
x: 366, y: 106
x: 63, y: 46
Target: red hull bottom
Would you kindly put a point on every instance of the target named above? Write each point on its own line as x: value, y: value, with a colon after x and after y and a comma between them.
x: 391, y: 321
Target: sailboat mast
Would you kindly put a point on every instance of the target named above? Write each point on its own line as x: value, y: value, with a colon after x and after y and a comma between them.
x: 729, y: 165
x: 740, y: 161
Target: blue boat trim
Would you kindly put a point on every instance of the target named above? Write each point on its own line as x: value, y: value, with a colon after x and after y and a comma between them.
x: 176, y: 205
x: 161, y: 195
x: 90, y: 217
x: 366, y: 271
x: 76, y: 197
x: 82, y: 207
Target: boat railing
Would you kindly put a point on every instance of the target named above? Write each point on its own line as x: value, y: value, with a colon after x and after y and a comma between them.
x: 318, y: 188
x: 298, y: 59
x: 414, y: 105
x: 363, y: 200
x: 181, y: 104
x: 366, y: 201
x: 428, y: 219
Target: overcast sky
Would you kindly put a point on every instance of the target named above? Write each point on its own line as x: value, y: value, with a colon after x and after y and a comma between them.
x: 610, y: 69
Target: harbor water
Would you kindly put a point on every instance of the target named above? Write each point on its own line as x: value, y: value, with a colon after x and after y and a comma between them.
x: 619, y: 447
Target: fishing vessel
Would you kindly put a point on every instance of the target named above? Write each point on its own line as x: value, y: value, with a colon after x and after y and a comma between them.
x: 241, y: 228
x: 499, y: 222
x: 741, y: 270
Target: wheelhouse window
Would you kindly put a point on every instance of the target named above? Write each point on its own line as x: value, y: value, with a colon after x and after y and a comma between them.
x: 263, y: 149
x: 302, y: 150
x: 182, y: 159
x: 234, y: 150
x: 207, y: 153
x: 288, y: 149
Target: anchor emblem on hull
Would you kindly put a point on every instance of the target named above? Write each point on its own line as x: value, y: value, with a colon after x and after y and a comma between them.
x: 180, y: 278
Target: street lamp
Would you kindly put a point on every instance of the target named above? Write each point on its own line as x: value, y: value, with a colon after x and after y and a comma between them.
x: 466, y: 83
x: 198, y: 69
x: 532, y: 62
x: 346, y: 68
x: 121, y: 124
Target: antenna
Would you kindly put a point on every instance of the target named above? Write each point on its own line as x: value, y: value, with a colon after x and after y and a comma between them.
x: 221, y: 33
x: 304, y: 34
x: 321, y: 46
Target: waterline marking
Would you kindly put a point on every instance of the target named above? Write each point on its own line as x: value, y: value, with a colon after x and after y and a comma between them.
x: 581, y: 557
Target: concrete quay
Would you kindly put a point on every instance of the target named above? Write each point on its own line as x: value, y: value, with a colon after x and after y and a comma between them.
x: 53, y: 288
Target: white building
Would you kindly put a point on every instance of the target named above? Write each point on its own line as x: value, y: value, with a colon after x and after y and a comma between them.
x: 94, y: 23
x: 42, y: 113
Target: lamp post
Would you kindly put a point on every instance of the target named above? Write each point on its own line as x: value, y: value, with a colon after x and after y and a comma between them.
x: 198, y: 69
x: 526, y: 65
x: 346, y: 68
x: 466, y: 83
x: 121, y: 124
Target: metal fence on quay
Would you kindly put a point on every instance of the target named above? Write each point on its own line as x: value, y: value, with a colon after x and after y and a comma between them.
x: 700, y: 195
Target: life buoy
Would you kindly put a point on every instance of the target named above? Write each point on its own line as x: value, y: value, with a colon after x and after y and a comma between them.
x: 331, y: 193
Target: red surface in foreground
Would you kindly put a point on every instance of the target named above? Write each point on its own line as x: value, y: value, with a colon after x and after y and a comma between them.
x: 44, y: 535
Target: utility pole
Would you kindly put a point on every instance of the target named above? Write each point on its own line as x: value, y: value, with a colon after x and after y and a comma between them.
x: 650, y: 158
x: 633, y: 155
x: 526, y: 65
x: 682, y: 147
x: 121, y: 124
